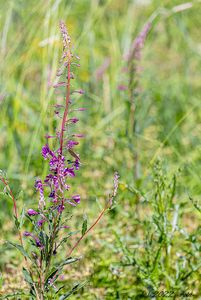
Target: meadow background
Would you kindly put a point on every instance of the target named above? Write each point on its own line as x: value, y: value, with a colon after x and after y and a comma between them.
x: 151, y: 240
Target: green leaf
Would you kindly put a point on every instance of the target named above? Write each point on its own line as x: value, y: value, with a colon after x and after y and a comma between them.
x: 17, y: 223
x: 84, y: 225
x: 68, y: 261
x: 64, y: 240
x: 20, y: 248
x: 44, y: 238
x: 27, y: 277
x: 21, y: 220
x: 59, y: 289
x: 74, y: 289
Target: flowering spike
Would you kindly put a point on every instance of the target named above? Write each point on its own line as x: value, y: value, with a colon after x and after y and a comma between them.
x: 47, y: 220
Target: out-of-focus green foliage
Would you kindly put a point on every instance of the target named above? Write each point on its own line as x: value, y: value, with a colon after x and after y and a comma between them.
x: 168, y: 117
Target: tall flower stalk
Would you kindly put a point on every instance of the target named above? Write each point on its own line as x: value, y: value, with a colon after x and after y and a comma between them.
x: 132, y: 90
x: 50, y: 220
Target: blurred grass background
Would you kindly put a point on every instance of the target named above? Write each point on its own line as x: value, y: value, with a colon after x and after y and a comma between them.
x: 168, y: 112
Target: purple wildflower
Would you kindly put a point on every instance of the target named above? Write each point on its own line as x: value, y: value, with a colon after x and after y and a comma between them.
x: 80, y: 109
x: 79, y: 135
x: 52, y: 194
x: 65, y: 226
x: 69, y: 172
x: 46, y: 152
x: 52, y: 181
x: 32, y: 212
x: 38, y: 243
x: 54, y: 163
x: 47, y: 136
x: 38, y: 184
x: 40, y: 222
x: 74, y: 120
x: 79, y: 91
x: 76, y: 164
x: 60, y: 208
x: 26, y: 233
x: 71, y: 144
x: 76, y: 198
x: 56, y: 85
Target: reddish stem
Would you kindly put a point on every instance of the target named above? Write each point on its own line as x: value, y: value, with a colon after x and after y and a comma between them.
x: 81, y: 238
x: 90, y: 228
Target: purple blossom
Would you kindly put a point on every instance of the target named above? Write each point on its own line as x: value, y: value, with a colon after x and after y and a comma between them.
x: 32, y: 212
x: 59, y: 84
x: 69, y: 172
x: 52, y: 194
x: 79, y: 135
x: 66, y: 187
x: 60, y: 208
x: 46, y: 152
x: 80, y: 109
x: 52, y: 181
x: 74, y: 120
x: 54, y: 163
x: 79, y: 91
x: 47, y: 136
x: 38, y: 243
x: 40, y: 222
x: 76, y: 198
x: 38, y: 184
x: 26, y: 233
x: 71, y: 144
x: 76, y: 164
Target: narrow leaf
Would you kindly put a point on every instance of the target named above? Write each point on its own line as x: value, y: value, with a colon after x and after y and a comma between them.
x: 17, y: 223
x: 68, y: 261
x: 21, y: 221
x: 27, y: 277
x: 74, y: 289
x: 84, y: 226
x: 20, y: 248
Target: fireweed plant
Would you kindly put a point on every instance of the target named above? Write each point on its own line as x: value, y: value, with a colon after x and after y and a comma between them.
x: 50, y: 220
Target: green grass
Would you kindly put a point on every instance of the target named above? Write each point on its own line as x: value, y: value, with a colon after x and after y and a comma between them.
x: 130, y: 252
